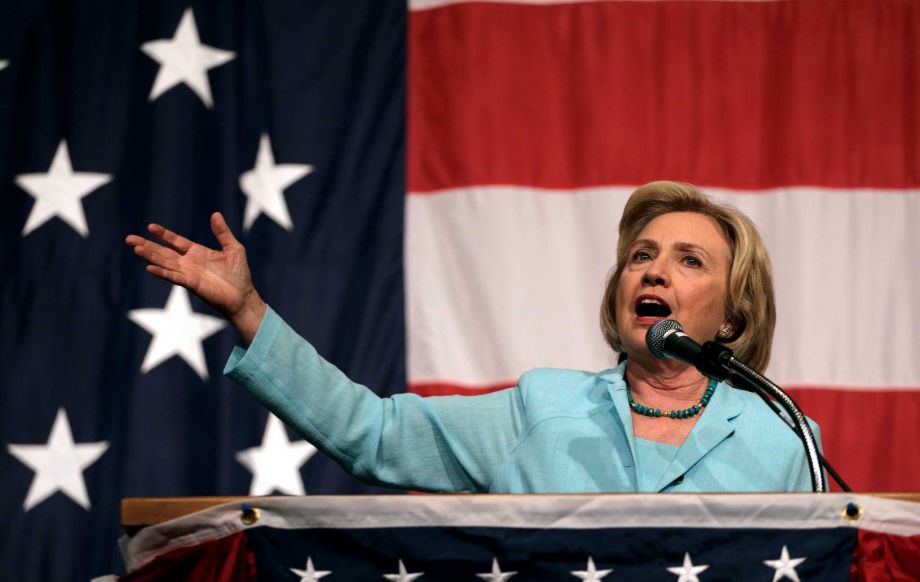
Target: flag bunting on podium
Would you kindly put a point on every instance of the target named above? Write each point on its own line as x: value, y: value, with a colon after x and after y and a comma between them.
x: 538, y: 538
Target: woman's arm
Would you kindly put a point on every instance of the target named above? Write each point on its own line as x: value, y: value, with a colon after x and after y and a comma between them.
x: 454, y: 443
x: 439, y: 444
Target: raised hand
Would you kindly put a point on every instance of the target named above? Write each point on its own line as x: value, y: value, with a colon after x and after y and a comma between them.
x: 219, y: 277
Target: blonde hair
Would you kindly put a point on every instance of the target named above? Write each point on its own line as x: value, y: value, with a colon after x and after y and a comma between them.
x: 750, y: 303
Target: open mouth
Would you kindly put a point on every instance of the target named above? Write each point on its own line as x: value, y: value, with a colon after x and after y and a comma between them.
x: 652, y: 307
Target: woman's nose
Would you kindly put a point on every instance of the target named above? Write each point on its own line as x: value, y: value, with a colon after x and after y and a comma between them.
x: 657, y: 273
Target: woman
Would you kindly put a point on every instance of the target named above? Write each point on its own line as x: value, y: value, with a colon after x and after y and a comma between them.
x: 646, y: 425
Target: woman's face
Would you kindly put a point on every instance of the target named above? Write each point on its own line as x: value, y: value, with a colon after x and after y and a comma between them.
x: 676, y: 269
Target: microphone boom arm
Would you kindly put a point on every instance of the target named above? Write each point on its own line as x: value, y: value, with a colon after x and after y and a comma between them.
x: 824, y: 462
x: 743, y: 376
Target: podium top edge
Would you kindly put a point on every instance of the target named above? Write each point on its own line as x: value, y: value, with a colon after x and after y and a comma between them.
x: 144, y: 511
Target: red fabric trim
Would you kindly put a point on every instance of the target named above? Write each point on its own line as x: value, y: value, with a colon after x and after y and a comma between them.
x: 881, y: 556
x: 227, y: 559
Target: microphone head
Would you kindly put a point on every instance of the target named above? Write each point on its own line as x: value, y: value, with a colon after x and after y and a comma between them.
x: 654, y: 337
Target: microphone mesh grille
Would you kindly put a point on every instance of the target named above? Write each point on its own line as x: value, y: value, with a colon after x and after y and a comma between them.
x: 654, y: 337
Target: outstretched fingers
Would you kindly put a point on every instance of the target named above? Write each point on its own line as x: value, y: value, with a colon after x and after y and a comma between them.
x: 222, y: 231
x: 176, y: 241
x: 132, y: 240
x: 154, y: 253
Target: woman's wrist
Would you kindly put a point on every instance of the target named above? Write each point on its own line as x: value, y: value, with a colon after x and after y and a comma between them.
x: 248, y: 319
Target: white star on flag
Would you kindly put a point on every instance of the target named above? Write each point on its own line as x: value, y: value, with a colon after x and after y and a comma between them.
x: 264, y: 186
x: 275, y: 464
x: 183, y: 59
x: 688, y: 572
x: 310, y: 575
x: 177, y: 331
x: 58, y: 464
x: 59, y: 192
x: 496, y: 575
x: 784, y: 566
x: 591, y: 574
x: 3, y: 64
x: 403, y: 576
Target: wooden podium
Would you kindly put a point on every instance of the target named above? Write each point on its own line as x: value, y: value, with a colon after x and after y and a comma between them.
x: 537, y: 537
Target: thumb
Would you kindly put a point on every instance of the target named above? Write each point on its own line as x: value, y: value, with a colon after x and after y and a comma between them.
x: 222, y: 231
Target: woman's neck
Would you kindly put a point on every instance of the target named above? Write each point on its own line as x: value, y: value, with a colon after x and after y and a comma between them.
x: 664, y: 382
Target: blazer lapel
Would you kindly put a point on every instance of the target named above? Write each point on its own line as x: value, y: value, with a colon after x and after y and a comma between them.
x: 616, y: 388
x: 713, y: 427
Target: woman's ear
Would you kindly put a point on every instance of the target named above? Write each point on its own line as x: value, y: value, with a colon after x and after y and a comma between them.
x: 731, y: 329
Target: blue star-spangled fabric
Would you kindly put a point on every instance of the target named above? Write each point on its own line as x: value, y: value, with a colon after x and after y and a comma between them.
x: 288, y: 117
x: 460, y: 554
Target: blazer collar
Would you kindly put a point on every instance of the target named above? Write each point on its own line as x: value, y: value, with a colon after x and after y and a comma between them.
x: 714, y: 426
x: 616, y: 388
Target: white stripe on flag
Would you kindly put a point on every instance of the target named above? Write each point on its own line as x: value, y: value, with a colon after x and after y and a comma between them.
x: 503, y: 279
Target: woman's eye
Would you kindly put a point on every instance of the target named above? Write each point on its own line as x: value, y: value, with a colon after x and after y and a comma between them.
x: 693, y: 261
x: 640, y: 256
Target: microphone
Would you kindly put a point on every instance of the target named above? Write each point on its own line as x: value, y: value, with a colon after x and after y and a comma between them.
x: 666, y: 340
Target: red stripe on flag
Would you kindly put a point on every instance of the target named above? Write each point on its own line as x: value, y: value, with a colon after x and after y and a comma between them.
x: 741, y: 95
x: 856, y: 432
x: 454, y: 389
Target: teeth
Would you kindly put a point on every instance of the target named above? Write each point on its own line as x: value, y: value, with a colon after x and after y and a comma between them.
x: 651, y: 301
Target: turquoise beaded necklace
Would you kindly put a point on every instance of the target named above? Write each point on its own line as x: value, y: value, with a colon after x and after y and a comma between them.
x: 657, y: 412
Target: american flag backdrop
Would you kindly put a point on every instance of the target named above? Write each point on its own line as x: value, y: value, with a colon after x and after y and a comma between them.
x: 429, y: 193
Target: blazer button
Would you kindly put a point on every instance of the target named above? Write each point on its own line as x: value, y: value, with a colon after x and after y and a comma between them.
x: 677, y: 481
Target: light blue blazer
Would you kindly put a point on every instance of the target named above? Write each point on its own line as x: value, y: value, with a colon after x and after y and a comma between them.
x: 559, y: 431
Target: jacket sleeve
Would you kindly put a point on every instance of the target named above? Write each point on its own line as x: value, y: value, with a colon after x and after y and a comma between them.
x: 450, y: 443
